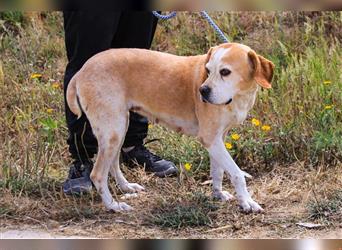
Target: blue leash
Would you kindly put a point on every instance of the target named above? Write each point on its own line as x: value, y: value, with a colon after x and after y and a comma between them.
x: 165, y: 17
x: 203, y: 14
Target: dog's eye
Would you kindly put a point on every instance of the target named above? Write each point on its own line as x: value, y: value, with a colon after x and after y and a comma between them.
x: 225, y: 72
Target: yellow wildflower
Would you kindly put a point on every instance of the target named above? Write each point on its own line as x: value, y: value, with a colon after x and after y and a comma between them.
x: 235, y: 137
x: 328, y: 107
x: 49, y: 111
x: 266, y: 128
x: 56, y: 85
x: 255, y: 122
x: 150, y: 125
x: 36, y: 76
x: 228, y: 145
x: 187, y: 166
x: 326, y: 82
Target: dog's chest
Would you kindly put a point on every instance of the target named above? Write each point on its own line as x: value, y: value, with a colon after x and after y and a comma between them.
x: 183, y: 126
x: 238, y: 113
x: 238, y: 116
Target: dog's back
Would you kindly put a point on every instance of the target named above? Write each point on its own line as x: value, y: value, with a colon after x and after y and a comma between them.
x: 151, y: 83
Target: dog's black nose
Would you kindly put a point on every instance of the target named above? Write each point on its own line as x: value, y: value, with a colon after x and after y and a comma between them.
x: 205, y: 92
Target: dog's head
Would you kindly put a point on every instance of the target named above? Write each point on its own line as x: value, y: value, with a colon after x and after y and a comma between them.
x: 232, y: 69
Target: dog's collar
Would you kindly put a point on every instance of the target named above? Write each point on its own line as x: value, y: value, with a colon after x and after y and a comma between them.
x: 229, y: 101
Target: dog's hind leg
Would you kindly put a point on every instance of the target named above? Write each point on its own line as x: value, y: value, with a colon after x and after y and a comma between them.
x: 109, y: 130
x: 99, y: 177
x: 115, y: 170
x: 121, y: 181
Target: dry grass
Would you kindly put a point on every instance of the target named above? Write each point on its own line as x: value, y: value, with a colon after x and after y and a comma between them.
x: 296, y: 166
x: 283, y: 195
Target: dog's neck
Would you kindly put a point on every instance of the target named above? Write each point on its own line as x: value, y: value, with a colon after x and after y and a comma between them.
x: 243, y: 103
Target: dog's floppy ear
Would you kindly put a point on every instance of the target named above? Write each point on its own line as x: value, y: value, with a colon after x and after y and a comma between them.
x: 210, y: 51
x: 204, y: 71
x: 262, y: 69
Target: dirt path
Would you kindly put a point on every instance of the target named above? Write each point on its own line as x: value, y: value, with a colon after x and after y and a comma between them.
x: 27, y: 234
x: 34, y: 234
x: 38, y: 233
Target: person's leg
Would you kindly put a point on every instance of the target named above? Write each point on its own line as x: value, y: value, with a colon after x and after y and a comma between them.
x: 136, y: 30
x: 86, y: 33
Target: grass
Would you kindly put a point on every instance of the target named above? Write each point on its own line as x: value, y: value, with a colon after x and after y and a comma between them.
x: 296, y: 164
x: 329, y: 210
x: 197, y: 213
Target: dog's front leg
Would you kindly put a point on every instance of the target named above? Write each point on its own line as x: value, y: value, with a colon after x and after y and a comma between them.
x: 217, y: 175
x: 218, y: 154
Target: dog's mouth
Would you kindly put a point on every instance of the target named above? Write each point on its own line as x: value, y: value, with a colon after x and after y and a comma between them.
x: 207, y: 101
x: 229, y: 101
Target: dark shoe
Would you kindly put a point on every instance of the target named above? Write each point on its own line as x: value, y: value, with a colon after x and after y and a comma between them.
x: 78, y: 181
x: 142, y: 156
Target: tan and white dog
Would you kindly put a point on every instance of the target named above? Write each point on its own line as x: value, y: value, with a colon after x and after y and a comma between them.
x: 202, y: 96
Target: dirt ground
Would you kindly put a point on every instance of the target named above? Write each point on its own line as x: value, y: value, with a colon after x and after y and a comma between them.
x: 33, y: 233
x: 284, y: 193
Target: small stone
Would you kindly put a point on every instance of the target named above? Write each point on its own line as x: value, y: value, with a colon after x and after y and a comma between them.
x: 309, y: 225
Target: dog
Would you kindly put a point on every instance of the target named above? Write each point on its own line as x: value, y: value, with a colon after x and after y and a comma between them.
x: 202, y: 96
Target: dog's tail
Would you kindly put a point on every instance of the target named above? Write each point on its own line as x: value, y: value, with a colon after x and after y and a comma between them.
x: 72, y: 98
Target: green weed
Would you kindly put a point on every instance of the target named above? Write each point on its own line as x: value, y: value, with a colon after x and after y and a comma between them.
x: 198, y: 212
x: 329, y: 209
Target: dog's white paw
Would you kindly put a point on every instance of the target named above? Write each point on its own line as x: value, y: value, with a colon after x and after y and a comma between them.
x: 131, y: 188
x: 249, y: 205
x: 119, y: 207
x: 223, y: 196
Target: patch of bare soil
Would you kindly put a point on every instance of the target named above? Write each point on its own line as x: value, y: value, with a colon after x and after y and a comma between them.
x: 31, y: 233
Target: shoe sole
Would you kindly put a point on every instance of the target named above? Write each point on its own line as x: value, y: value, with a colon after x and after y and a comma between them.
x: 170, y: 172
x: 77, y: 187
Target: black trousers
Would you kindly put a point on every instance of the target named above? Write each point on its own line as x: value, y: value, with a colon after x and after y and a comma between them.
x: 86, y: 34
